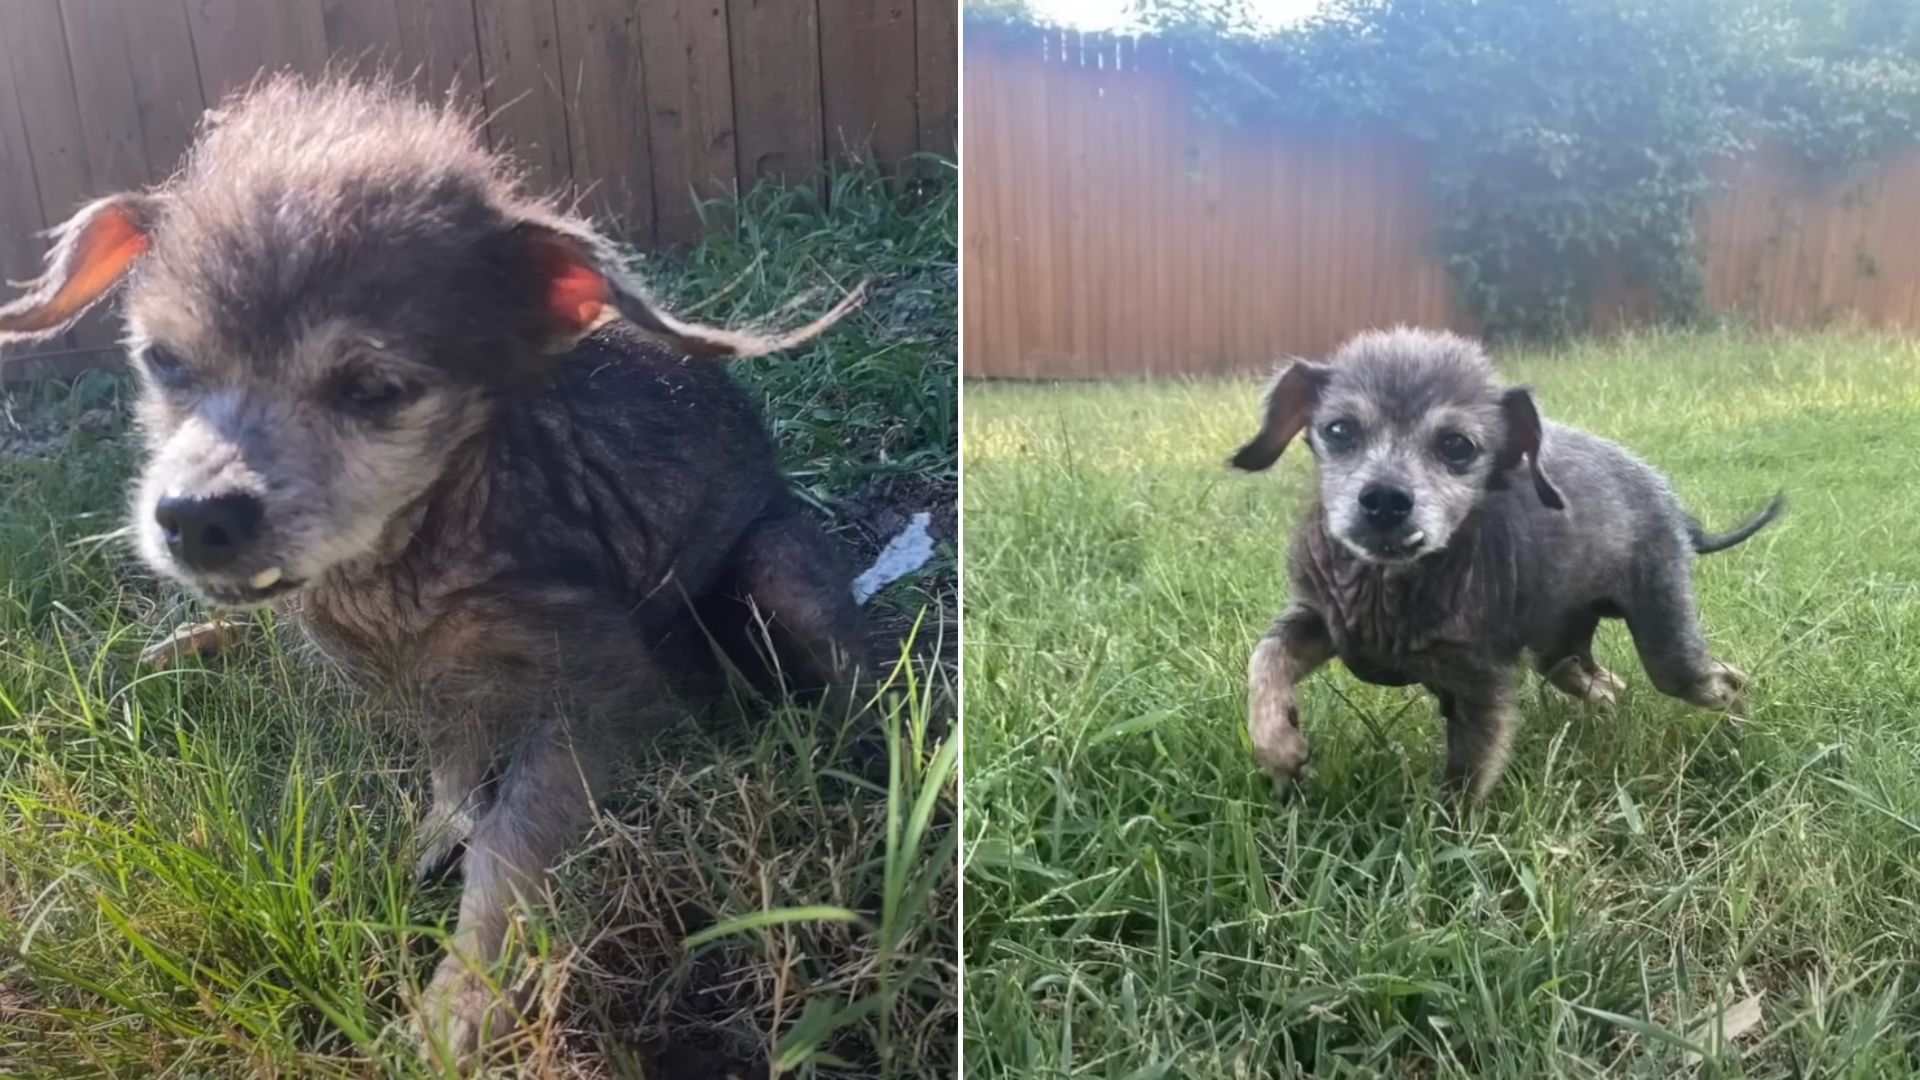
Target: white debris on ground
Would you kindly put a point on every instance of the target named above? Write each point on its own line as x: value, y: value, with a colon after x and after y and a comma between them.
x: 908, y: 551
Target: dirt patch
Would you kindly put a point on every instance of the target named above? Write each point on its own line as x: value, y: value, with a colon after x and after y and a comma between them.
x: 876, y: 516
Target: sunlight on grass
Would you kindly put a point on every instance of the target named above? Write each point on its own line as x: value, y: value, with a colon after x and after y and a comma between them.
x: 1139, y: 904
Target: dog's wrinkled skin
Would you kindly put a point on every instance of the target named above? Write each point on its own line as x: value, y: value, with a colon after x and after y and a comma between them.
x: 1454, y: 531
x: 489, y: 476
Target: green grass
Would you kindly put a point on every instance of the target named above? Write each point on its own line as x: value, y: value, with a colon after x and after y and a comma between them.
x: 1139, y: 904
x: 202, y: 870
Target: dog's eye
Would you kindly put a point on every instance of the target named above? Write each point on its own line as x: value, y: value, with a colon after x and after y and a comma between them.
x: 369, y: 393
x: 1457, y: 449
x: 1340, y: 432
x: 166, y: 367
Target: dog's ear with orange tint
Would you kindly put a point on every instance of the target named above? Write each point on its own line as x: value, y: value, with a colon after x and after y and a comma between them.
x: 583, y: 281
x: 92, y: 253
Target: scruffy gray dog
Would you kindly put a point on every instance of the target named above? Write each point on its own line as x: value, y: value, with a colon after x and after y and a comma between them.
x: 435, y: 417
x: 1454, y: 530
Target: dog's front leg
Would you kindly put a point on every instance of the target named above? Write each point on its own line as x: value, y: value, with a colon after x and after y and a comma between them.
x: 545, y: 795
x: 1480, y: 726
x: 459, y: 753
x: 1293, y: 647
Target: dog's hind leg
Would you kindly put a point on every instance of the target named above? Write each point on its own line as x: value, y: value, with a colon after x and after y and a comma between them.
x: 1666, y: 632
x: 1568, y: 664
x: 797, y: 601
x: 1292, y: 649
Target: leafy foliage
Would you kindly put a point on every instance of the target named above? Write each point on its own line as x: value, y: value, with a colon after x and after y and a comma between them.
x: 1568, y: 141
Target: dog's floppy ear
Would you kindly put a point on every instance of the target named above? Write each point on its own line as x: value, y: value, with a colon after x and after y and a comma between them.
x: 582, y: 280
x: 1523, y: 440
x: 92, y: 253
x: 1290, y: 405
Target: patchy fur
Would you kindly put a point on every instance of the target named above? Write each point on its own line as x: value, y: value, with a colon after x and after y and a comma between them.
x: 1466, y: 569
x: 436, y: 418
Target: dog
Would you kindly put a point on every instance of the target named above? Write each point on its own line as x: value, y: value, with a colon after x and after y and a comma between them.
x: 436, y: 419
x: 1453, y: 530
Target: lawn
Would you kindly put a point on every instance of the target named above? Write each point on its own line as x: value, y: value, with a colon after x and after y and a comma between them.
x: 1138, y: 903
x: 202, y: 870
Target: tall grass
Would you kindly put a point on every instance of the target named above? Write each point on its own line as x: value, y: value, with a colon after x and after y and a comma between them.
x: 1645, y: 881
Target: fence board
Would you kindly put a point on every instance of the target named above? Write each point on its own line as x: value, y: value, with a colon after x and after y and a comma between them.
x: 937, y: 74
x: 441, y: 42
x: 31, y: 32
x: 867, y: 71
x: 234, y: 40
x: 607, y: 110
x: 139, y: 95
x: 107, y: 100
x: 34, y: 33
x: 1112, y: 231
x: 526, y: 105
x: 685, y: 55
x: 20, y: 216
x: 364, y: 32
x: 633, y: 102
x: 776, y: 88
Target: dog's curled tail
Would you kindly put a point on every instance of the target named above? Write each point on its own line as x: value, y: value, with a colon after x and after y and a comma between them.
x: 1706, y: 543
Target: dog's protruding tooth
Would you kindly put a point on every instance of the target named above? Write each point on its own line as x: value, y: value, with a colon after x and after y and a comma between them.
x: 265, y: 578
x: 1416, y: 537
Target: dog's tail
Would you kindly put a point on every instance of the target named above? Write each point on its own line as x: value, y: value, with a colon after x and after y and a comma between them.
x: 1706, y: 543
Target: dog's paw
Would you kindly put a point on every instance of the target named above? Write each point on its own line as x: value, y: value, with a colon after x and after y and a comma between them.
x: 201, y: 639
x: 460, y: 1014
x: 1586, y: 682
x: 1719, y: 688
x: 444, y: 836
x: 1604, y: 687
x: 440, y: 862
x: 1278, y: 743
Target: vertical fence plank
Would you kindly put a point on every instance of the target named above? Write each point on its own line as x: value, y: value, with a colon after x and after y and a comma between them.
x: 364, y: 33
x: 20, y: 218
x: 1068, y: 236
x: 685, y: 57
x: 776, y: 89
x: 1035, y: 303
x: 440, y: 45
x: 1120, y: 315
x: 33, y: 32
x: 937, y: 74
x: 234, y: 40
x: 520, y: 54
x: 607, y: 111
x: 108, y: 102
x: 166, y: 84
x: 979, y: 229
x: 21, y: 246
x: 1158, y: 161
x: 867, y: 62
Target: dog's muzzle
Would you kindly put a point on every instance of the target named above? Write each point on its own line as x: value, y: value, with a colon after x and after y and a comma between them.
x: 214, y: 541
x: 1386, y: 531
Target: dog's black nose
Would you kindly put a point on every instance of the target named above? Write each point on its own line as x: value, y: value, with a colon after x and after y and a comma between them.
x: 208, y: 534
x: 1385, y: 505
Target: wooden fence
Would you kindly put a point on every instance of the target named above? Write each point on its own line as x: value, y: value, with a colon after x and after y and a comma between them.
x: 1110, y: 231
x: 641, y: 103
